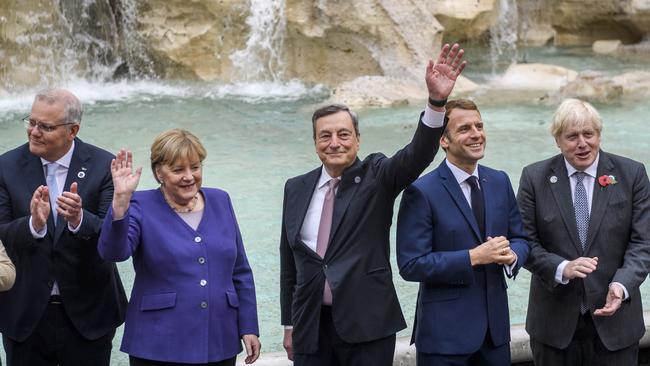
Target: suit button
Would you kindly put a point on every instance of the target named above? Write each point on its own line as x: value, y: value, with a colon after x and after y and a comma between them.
x: 204, y: 304
x: 203, y: 282
x: 201, y: 260
x: 324, y: 266
x: 197, y: 239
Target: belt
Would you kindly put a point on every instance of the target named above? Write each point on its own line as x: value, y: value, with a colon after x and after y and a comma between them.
x: 55, y: 300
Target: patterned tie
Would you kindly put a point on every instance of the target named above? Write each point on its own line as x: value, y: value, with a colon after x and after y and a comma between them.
x: 324, y: 229
x: 53, y: 187
x: 478, y: 204
x: 581, y: 208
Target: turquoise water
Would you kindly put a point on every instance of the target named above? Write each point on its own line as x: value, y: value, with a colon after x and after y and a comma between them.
x: 255, y: 144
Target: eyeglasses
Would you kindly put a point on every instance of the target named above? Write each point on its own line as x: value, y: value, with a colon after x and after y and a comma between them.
x: 41, y: 126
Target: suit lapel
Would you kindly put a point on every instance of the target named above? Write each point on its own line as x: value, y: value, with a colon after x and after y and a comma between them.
x: 350, y: 182
x: 489, y: 195
x: 600, y: 199
x: 561, y: 190
x: 453, y: 188
x: 32, y: 167
x: 78, y: 162
x: 297, y: 204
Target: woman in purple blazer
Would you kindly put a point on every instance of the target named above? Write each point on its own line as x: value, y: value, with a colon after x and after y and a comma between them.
x: 193, y: 298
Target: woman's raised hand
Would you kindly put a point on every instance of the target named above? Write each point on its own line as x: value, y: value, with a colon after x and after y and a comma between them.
x: 125, y: 181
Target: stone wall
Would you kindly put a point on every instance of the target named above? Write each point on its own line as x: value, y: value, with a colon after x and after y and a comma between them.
x: 325, y: 41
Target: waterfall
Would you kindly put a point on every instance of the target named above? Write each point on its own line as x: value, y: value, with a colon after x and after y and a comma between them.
x: 261, y: 60
x: 71, y: 39
x: 503, y: 34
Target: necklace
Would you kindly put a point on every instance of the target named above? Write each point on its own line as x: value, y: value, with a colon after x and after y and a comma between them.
x: 182, y: 209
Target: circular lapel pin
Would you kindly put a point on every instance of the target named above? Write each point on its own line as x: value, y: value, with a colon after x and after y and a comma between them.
x: 553, y: 179
x: 81, y: 175
x: 357, y: 179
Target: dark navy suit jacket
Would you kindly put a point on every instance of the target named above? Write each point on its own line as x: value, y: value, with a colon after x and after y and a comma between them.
x: 457, y: 303
x: 93, y: 297
x: 193, y: 296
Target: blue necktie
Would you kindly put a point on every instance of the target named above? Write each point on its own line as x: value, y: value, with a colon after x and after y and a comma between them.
x: 53, y: 187
x: 581, y: 207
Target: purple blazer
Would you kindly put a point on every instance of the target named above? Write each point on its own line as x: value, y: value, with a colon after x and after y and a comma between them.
x: 193, y: 295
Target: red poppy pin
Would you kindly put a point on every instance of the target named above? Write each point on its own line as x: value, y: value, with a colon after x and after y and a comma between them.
x: 606, y: 180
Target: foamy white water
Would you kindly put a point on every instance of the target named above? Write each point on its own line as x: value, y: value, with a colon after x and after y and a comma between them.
x: 92, y: 92
x: 267, y: 91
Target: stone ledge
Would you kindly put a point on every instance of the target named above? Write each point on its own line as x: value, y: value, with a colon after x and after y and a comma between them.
x: 405, y: 353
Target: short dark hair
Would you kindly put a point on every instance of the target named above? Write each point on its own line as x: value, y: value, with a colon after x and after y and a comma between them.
x: 331, y: 109
x: 465, y: 104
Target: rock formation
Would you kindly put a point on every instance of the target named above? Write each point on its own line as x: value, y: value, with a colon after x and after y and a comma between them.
x: 372, y: 45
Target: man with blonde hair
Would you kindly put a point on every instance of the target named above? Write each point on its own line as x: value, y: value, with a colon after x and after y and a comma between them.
x: 587, y: 213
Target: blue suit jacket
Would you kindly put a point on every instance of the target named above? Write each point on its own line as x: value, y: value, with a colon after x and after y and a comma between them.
x: 173, y: 315
x: 457, y: 303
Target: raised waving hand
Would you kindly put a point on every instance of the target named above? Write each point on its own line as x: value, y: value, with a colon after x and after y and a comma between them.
x: 125, y: 182
x: 441, y: 75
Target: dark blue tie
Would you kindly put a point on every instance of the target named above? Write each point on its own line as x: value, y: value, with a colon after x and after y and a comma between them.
x: 478, y: 204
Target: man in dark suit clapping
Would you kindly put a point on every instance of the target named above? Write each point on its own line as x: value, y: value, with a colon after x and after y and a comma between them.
x: 54, y: 193
x: 338, y: 300
x: 587, y: 213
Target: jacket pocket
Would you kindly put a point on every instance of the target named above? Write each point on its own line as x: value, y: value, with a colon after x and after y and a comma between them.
x: 233, y: 299
x: 440, y: 294
x: 377, y: 270
x: 158, y: 301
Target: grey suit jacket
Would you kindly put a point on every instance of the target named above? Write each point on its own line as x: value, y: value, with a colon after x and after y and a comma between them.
x: 7, y: 270
x: 618, y: 235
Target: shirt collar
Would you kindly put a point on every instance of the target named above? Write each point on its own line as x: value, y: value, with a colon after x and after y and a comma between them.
x: 460, y: 174
x: 65, y: 160
x: 592, y: 170
x: 324, y: 178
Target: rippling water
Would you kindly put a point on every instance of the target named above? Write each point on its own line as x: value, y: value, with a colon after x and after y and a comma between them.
x: 258, y: 135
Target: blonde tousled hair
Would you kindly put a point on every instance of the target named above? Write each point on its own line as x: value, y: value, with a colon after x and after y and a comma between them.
x: 173, y: 146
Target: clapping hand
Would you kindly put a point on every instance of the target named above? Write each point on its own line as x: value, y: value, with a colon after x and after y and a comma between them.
x: 69, y: 206
x: 125, y: 182
x: 441, y: 76
x: 39, y: 207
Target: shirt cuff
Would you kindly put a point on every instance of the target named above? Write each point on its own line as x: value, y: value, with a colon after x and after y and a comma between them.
x: 510, y: 267
x: 558, y: 273
x: 627, y: 295
x: 288, y: 327
x: 37, y: 234
x: 76, y: 230
x: 433, y: 119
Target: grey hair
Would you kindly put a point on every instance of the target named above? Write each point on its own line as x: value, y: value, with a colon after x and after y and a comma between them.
x: 331, y: 109
x: 72, y: 108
